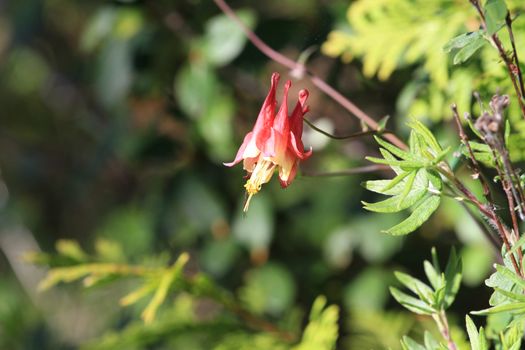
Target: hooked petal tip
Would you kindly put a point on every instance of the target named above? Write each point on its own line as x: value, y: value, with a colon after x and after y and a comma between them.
x: 275, y: 78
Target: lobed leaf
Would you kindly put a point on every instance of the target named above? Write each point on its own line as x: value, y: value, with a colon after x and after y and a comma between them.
x: 420, y: 214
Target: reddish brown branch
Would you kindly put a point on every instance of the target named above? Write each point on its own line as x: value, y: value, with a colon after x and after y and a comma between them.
x: 300, y: 69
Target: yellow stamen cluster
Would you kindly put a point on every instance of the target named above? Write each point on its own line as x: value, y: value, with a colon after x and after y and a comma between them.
x: 261, y: 174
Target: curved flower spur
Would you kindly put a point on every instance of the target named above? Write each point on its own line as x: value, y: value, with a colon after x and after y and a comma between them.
x: 274, y: 143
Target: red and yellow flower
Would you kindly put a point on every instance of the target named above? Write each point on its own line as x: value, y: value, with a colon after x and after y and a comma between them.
x: 275, y: 143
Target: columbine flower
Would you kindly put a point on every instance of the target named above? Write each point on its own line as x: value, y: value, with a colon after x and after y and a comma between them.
x: 274, y: 143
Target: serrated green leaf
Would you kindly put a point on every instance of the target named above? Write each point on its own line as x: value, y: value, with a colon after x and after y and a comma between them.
x: 413, y: 304
x: 461, y: 41
x: 495, y: 13
x: 466, y: 52
x: 420, y: 214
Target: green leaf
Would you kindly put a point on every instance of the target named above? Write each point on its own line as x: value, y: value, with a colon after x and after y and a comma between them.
x: 511, y: 275
x: 462, y: 40
x: 385, y: 186
x: 196, y: 86
x: 495, y: 13
x: 433, y: 276
x: 268, y: 289
x: 71, y: 249
x: 423, y: 291
x: 399, y: 179
x: 413, y: 304
x: 410, y: 344
x: 426, y: 134
x: 513, y: 296
x: 394, y: 150
x: 420, y: 214
x: 473, y: 334
x: 406, y: 164
x: 431, y: 343
x: 441, y: 155
x: 466, y: 52
x: 511, y: 307
x: 381, y: 124
x: 166, y: 281
x: 415, y: 189
x: 452, y: 278
x: 483, y: 342
x: 322, y: 330
x: 224, y: 39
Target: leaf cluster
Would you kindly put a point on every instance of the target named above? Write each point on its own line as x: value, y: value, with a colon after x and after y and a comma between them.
x: 417, y: 183
x: 436, y: 297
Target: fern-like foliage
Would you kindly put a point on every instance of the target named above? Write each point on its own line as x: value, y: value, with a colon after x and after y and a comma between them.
x: 388, y: 35
x: 230, y: 326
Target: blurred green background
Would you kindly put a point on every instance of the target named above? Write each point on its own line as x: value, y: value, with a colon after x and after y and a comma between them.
x: 115, y: 119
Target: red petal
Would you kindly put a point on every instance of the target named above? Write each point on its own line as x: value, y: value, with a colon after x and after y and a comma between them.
x: 296, y: 126
x: 266, y: 115
x: 240, y: 152
x: 297, y: 147
x: 281, y: 122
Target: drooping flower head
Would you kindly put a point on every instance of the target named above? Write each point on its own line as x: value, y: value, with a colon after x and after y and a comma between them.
x: 274, y: 143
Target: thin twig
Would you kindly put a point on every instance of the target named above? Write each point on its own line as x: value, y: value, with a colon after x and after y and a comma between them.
x: 475, y: 165
x: 486, y: 210
x: 508, y: 22
x: 442, y: 323
x: 352, y: 171
x: 511, y: 67
x: 299, y: 70
x: 345, y: 137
